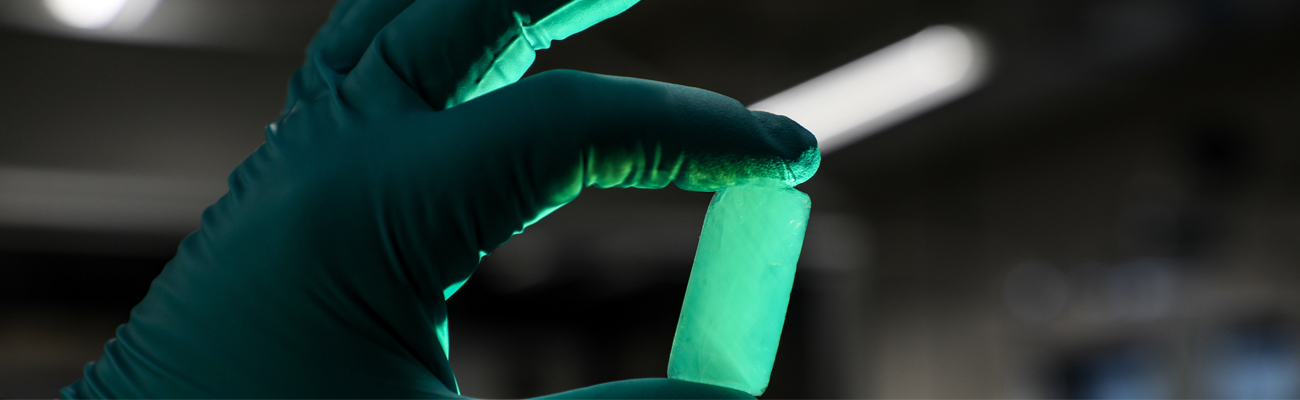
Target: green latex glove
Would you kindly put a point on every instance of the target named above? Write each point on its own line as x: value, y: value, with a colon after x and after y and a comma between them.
x: 324, y: 272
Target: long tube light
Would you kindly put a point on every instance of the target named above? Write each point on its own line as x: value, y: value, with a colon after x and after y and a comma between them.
x: 119, y: 15
x: 97, y: 201
x: 928, y: 69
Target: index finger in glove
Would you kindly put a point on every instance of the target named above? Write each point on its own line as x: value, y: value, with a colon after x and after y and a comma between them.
x: 628, y: 132
x: 531, y: 147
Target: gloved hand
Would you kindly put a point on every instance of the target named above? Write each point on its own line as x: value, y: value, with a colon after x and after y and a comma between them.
x: 324, y: 272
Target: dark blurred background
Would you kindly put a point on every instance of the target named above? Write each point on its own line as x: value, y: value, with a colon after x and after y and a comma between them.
x: 1111, y: 211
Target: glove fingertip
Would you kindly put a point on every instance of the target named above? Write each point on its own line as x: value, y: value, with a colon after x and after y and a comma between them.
x: 795, y: 145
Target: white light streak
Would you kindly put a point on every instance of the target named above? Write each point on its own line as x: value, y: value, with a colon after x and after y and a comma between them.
x: 117, y: 15
x: 97, y: 201
x: 85, y: 14
x: 889, y: 86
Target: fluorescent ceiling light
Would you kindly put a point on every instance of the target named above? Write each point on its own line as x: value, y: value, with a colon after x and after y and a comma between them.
x: 85, y: 14
x: 874, y: 92
x: 97, y: 201
x: 121, y: 15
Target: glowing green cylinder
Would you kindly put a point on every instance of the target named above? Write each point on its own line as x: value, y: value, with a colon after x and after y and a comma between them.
x: 739, y: 287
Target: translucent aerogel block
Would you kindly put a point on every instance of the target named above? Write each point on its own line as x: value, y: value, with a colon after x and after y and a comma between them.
x: 740, y: 286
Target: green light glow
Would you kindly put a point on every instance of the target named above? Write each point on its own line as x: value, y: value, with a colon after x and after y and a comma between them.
x: 739, y: 287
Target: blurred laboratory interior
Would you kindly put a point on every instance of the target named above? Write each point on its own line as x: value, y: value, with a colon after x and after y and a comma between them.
x: 1018, y: 199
